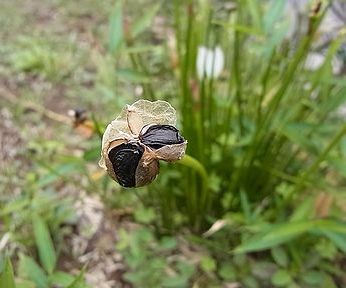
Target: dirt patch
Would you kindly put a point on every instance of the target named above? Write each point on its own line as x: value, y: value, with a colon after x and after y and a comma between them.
x: 11, y: 143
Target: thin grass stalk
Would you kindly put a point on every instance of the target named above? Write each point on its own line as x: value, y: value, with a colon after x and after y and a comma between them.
x: 322, y: 119
x: 204, y: 198
x: 292, y: 68
x: 202, y: 107
x: 264, y: 82
x: 274, y: 104
x: 177, y: 28
x: 237, y: 74
x: 315, y: 165
x: 228, y: 115
x: 147, y: 86
x: 165, y: 208
x: 207, y: 101
x: 192, y: 124
x: 186, y: 97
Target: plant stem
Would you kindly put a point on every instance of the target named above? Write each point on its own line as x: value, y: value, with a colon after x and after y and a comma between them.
x: 320, y: 158
x: 237, y: 76
x: 193, y: 163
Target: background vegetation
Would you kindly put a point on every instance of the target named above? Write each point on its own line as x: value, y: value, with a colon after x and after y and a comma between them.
x: 261, y: 201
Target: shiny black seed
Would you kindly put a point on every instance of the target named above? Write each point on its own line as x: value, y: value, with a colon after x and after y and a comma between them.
x: 157, y: 136
x: 125, y: 159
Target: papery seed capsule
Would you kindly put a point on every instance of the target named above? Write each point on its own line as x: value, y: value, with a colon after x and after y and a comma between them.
x: 137, y: 139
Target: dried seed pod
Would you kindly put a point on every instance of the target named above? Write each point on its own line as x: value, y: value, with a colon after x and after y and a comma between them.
x: 141, y: 135
x: 132, y: 119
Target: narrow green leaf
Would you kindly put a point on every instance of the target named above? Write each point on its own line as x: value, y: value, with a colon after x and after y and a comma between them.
x: 281, y: 233
x: 57, y: 172
x: 132, y: 76
x: 273, y: 14
x: 144, y: 22
x: 92, y: 154
x: 14, y: 206
x: 7, y: 275
x: 338, y: 239
x: 298, y: 133
x: 326, y: 225
x: 274, y: 235
x: 44, y: 244
x: 143, y: 49
x: 60, y: 278
x: 338, y: 164
x: 22, y: 283
x: 34, y: 272
x: 245, y: 206
x: 334, y: 100
x: 240, y: 28
x: 79, y: 282
x: 303, y: 211
x: 116, y: 27
x: 254, y: 9
x: 177, y: 281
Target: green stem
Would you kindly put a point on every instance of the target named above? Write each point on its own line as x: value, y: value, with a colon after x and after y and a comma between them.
x: 237, y: 76
x: 193, y: 163
x: 320, y: 158
x: 264, y: 86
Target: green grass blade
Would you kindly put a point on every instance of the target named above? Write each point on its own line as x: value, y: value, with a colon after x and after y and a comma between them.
x: 254, y: 10
x: 273, y: 14
x: 7, y: 275
x: 315, y: 165
x: 143, y: 22
x: 60, y: 278
x: 326, y: 225
x: 34, y: 272
x: 282, y: 233
x: 116, y: 28
x: 133, y: 76
x: 79, y: 280
x: 44, y: 244
x: 338, y: 239
x: 245, y: 205
x: 274, y: 235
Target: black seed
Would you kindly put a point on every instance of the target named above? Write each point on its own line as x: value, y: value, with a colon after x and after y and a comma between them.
x: 158, y: 136
x: 125, y: 159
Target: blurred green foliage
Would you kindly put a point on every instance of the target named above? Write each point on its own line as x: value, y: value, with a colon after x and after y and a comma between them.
x: 265, y: 172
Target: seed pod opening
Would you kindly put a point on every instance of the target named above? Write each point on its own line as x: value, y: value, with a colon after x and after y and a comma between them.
x: 164, y: 140
x: 157, y: 136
